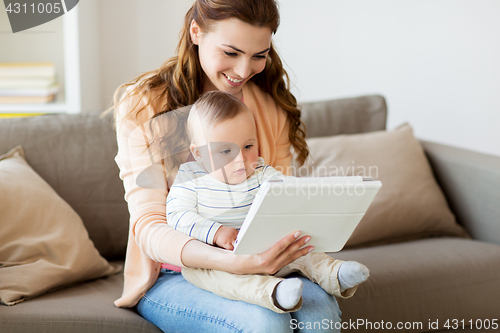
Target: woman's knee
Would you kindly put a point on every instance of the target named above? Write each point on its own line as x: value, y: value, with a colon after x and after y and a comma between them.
x: 265, y: 320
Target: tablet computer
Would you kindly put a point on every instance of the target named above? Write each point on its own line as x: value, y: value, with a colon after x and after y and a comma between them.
x: 326, y: 208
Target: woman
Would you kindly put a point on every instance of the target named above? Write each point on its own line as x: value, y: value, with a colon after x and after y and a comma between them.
x: 224, y: 45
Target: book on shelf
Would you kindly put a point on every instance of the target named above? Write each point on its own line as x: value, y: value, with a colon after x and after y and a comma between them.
x: 10, y: 82
x: 30, y: 91
x: 20, y: 115
x: 20, y: 69
x: 26, y: 99
x: 27, y: 83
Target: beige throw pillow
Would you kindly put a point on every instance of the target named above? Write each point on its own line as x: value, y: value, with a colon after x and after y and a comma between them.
x: 410, y: 203
x: 43, y: 242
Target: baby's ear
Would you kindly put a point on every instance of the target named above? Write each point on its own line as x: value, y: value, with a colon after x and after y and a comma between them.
x: 195, y: 152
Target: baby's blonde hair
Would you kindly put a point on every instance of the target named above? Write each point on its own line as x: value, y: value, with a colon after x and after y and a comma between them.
x: 211, y: 109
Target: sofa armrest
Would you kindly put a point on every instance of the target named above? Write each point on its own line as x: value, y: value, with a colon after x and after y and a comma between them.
x: 471, y: 183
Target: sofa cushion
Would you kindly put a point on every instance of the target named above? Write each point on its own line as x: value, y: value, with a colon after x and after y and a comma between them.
x: 85, y: 308
x: 74, y: 154
x: 344, y: 116
x: 410, y: 203
x: 429, y: 279
x: 43, y: 243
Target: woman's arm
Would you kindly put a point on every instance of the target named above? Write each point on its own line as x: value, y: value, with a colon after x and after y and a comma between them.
x: 148, y: 224
x: 290, y: 248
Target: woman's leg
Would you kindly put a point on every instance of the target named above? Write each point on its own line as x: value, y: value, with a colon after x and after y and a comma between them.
x: 319, y: 313
x: 175, y: 305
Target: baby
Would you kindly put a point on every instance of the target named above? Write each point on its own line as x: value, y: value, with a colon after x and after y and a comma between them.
x: 211, y: 196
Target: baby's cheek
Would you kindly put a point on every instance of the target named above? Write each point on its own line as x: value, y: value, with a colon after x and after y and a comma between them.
x: 251, y: 167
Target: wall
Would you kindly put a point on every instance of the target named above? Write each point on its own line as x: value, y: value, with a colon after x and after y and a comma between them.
x: 435, y: 61
x: 129, y: 37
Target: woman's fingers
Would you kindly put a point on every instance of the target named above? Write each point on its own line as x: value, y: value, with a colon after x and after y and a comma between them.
x: 281, y: 254
x: 285, y: 251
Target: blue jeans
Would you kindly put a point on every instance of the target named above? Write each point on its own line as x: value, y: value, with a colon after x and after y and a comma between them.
x: 175, y: 305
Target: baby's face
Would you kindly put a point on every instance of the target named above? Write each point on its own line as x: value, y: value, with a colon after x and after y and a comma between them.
x: 230, y: 150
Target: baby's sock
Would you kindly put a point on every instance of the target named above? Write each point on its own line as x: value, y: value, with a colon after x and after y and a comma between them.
x: 352, y: 273
x: 288, y: 293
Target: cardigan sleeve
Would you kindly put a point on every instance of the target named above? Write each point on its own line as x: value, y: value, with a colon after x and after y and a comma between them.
x: 147, y: 204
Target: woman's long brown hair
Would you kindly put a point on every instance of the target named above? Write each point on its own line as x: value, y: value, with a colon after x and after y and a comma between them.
x: 179, y: 81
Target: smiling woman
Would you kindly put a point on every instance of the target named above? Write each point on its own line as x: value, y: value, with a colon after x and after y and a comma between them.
x: 224, y: 45
x: 231, y: 53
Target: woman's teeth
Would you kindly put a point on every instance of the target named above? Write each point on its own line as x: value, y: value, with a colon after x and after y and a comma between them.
x: 232, y: 79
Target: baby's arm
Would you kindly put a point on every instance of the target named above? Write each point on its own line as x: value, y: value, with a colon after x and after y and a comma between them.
x: 182, y: 213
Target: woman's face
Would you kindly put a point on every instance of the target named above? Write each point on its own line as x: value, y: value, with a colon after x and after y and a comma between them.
x: 231, y: 53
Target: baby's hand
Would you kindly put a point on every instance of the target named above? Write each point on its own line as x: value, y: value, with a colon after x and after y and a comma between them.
x: 225, y: 237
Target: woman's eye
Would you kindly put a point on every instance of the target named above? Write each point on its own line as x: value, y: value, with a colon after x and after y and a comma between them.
x: 260, y: 56
x: 230, y: 54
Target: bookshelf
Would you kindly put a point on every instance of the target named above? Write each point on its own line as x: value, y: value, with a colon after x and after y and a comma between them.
x: 57, y: 42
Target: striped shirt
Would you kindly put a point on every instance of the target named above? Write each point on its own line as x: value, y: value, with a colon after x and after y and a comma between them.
x: 198, y: 204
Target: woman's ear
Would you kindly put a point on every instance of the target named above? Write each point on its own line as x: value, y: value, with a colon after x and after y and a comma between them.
x: 194, y: 32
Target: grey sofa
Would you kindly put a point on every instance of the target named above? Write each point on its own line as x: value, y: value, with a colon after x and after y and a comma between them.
x: 420, y: 281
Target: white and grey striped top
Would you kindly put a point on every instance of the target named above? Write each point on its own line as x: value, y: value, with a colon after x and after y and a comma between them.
x: 198, y: 204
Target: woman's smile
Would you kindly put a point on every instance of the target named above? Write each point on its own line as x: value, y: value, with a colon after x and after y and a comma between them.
x: 233, y: 81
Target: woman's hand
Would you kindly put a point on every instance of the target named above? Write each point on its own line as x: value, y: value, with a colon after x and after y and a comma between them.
x: 290, y: 248
x: 281, y: 254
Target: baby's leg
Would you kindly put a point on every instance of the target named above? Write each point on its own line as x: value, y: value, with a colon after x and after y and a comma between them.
x: 276, y: 294
x: 336, y: 277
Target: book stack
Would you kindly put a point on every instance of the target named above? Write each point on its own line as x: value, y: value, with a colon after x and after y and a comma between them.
x: 27, y: 83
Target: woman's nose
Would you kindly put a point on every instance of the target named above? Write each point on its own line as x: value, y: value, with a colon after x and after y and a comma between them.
x: 243, y: 68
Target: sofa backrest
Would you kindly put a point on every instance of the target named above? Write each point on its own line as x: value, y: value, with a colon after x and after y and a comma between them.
x: 345, y: 116
x: 75, y: 155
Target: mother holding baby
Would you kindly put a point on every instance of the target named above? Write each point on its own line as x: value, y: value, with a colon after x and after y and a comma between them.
x: 224, y: 45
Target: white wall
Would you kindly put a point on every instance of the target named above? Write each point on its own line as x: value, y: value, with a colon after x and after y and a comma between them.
x: 131, y: 37
x: 435, y: 61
